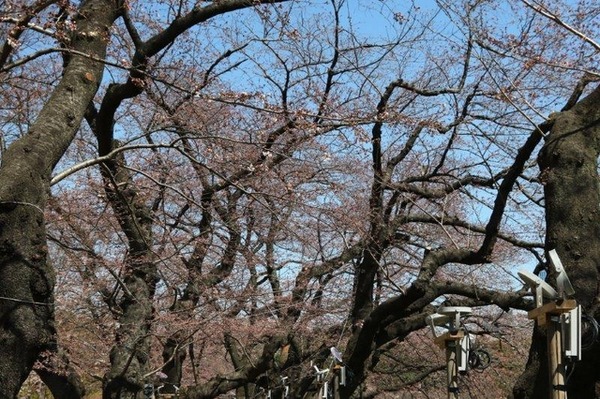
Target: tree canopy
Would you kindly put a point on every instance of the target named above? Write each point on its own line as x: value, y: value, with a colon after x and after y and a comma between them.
x: 211, y: 194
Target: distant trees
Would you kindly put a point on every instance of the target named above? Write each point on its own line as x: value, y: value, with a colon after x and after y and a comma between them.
x: 241, y: 185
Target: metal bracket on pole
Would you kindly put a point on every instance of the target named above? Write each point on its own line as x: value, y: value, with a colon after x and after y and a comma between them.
x: 453, y: 340
x: 323, y: 389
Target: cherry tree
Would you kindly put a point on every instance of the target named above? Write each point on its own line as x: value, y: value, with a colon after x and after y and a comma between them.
x: 82, y: 34
x: 249, y: 184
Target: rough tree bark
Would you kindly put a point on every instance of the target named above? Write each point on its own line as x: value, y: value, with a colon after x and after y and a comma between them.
x: 569, y: 170
x: 57, y: 373
x: 26, y: 278
x: 129, y: 357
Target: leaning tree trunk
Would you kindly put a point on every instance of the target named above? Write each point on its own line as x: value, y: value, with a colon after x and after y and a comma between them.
x: 26, y: 278
x: 569, y: 170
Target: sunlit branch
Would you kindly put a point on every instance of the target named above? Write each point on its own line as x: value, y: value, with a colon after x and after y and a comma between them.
x: 61, y: 50
x: 29, y: 25
x: 542, y: 10
x: 12, y: 37
x: 523, y: 58
x: 86, y: 164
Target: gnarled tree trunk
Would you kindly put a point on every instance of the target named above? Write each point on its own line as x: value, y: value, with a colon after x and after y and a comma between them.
x: 569, y: 170
x: 26, y: 279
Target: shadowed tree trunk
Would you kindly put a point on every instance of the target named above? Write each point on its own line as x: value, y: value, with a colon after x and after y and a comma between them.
x: 130, y: 356
x: 59, y: 376
x: 26, y: 279
x: 569, y: 171
x: 532, y: 383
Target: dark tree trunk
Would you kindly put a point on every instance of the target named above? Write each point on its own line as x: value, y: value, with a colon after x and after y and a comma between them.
x: 130, y: 355
x: 174, y: 354
x: 26, y: 279
x: 533, y: 382
x: 59, y: 376
x: 569, y: 171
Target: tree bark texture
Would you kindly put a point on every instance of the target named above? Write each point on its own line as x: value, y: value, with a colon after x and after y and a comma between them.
x: 569, y: 170
x: 130, y: 356
x: 533, y: 382
x: 57, y: 373
x: 26, y: 278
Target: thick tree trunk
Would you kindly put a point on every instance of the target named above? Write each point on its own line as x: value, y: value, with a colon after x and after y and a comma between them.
x: 26, y: 284
x: 26, y: 279
x: 569, y: 171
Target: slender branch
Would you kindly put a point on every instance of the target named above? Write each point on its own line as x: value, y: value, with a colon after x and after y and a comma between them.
x: 25, y: 301
x: 91, y: 162
x: 553, y: 17
x: 12, y: 37
x: 133, y: 33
